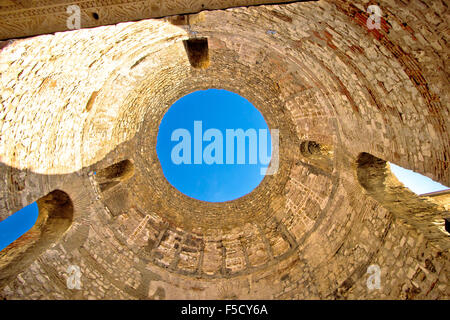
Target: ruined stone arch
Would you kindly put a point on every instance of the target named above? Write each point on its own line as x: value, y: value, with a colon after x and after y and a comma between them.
x: 54, y: 219
x: 419, y: 212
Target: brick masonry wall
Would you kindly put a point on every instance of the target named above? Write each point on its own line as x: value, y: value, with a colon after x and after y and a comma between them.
x: 78, y: 101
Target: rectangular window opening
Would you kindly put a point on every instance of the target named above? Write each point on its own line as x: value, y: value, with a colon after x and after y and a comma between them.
x: 197, y: 52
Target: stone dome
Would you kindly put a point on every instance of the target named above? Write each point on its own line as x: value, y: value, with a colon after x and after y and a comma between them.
x: 80, y: 116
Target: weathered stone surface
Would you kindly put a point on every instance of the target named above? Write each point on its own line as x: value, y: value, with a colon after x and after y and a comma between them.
x: 34, y: 17
x: 77, y: 102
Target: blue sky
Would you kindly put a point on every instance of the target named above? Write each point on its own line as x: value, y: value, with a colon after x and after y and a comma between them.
x: 219, y: 109
x: 17, y: 224
x: 416, y: 182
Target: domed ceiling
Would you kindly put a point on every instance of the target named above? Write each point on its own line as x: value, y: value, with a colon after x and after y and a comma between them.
x: 81, y: 110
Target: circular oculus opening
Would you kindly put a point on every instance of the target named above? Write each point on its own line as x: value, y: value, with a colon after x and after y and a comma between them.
x: 214, y: 145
